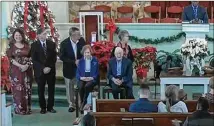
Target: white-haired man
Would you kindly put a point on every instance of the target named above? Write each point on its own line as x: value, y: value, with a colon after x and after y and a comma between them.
x: 120, y: 73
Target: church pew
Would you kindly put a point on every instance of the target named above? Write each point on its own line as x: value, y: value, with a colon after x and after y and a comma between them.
x: 115, y: 105
x: 137, y: 119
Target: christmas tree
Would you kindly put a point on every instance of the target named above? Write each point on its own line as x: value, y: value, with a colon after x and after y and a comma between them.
x: 30, y: 15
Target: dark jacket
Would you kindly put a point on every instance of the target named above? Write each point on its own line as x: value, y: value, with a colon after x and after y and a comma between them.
x: 143, y: 105
x: 38, y: 57
x: 129, y: 56
x: 126, y: 73
x: 188, y: 14
x: 94, y: 69
x: 200, y: 118
x: 68, y: 57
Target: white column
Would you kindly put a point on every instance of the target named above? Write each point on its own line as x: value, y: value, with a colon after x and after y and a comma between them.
x: 162, y: 90
x: 205, y: 88
x: 181, y: 86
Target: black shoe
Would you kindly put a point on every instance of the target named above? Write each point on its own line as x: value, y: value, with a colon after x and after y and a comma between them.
x: 43, y: 111
x: 71, y: 109
x: 51, y: 110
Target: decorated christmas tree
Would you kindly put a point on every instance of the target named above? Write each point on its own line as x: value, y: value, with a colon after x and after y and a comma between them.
x: 30, y: 15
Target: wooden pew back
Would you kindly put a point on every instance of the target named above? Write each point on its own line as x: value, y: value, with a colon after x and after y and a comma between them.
x: 115, y: 105
x: 137, y: 119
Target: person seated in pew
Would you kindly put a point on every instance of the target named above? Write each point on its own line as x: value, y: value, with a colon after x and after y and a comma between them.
x: 88, y: 120
x: 87, y: 73
x: 120, y: 73
x: 143, y: 105
x: 210, y: 95
x: 172, y: 104
x: 167, y: 64
x: 201, y: 117
x: 182, y: 95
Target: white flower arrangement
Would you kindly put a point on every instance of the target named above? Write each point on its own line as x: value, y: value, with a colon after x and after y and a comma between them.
x: 194, y: 51
x: 195, y: 48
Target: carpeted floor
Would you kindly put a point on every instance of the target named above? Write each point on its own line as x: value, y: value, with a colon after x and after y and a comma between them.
x: 61, y: 118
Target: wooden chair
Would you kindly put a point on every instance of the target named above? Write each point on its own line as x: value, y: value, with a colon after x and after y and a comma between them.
x: 212, y: 17
x: 124, y: 10
x: 169, y: 20
x: 146, y: 20
x: 106, y: 10
x: 96, y: 89
x: 152, y: 10
x: 174, y: 10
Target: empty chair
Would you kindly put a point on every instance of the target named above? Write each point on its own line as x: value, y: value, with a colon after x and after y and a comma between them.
x: 127, y: 14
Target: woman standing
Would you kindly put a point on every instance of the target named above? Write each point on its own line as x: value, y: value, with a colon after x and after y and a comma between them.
x: 20, y: 72
x: 123, y: 43
x: 87, y: 74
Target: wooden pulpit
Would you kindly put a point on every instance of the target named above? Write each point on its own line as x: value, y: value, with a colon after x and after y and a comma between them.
x: 91, y: 25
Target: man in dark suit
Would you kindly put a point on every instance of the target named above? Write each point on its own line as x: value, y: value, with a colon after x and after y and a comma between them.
x: 120, y: 73
x: 70, y: 53
x: 44, y: 56
x: 143, y: 105
x: 195, y: 13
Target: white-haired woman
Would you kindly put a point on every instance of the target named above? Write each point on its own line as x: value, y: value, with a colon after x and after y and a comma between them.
x: 171, y: 103
x: 123, y: 43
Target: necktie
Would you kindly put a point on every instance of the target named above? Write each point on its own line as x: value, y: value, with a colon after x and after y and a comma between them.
x: 195, y: 11
x: 45, y: 49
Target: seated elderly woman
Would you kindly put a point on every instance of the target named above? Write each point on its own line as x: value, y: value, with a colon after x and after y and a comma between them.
x: 120, y: 73
x: 172, y: 104
x: 87, y: 74
x: 124, y: 38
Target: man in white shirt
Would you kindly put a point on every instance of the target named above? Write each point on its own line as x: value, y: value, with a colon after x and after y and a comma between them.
x: 70, y: 53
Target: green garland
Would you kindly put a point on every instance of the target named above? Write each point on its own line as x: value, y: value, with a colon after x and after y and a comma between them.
x: 157, y: 40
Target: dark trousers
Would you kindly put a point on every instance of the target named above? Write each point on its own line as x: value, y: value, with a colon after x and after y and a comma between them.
x: 84, y: 89
x: 50, y: 78
x: 117, y: 89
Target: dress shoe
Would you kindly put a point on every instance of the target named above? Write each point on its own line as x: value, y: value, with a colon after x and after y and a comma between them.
x: 51, y: 110
x: 43, y: 111
x: 71, y: 109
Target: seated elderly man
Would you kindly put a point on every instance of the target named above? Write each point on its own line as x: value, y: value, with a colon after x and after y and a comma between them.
x: 120, y: 73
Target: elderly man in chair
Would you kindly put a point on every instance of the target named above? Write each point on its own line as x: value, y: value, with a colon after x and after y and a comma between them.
x: 120, y: 73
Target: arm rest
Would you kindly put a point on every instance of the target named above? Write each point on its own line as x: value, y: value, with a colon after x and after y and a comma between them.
x: 8, y: 104
x: 77, y: 121
x: 87, y: 107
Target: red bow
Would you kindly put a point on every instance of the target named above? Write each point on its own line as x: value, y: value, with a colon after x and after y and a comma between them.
x: 112, y: 28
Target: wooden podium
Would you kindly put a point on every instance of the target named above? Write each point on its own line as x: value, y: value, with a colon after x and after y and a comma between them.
x: 195, y: 30
x: 91, y: 25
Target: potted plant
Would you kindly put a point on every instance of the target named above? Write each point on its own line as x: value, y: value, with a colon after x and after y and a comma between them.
x: 142, y: 61
x: 102, y: 50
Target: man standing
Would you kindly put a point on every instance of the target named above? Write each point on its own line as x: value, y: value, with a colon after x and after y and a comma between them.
x: 143, y: 104
x: 44, y: 56
x: 120, y: 73
x: 70, y: 53
x: 195, y: 13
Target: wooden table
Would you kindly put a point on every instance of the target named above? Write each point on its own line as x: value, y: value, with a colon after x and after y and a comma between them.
x: 182, y: 80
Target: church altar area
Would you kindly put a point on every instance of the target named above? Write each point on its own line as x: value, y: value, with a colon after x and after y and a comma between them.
x: 143, y: 30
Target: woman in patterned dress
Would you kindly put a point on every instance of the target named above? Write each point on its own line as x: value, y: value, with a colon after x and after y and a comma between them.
x: 20, y: 72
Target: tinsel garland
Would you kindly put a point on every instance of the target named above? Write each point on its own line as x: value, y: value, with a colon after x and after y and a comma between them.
x: 157, y: 40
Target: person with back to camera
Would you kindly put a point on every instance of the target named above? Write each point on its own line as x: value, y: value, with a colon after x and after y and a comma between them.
x: 143, y: 105
x: 172, y: 104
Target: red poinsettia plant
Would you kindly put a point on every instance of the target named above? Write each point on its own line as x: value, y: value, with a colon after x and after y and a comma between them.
x: 142, y: 60
x: 5, y: 82
x: 102, y: 50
